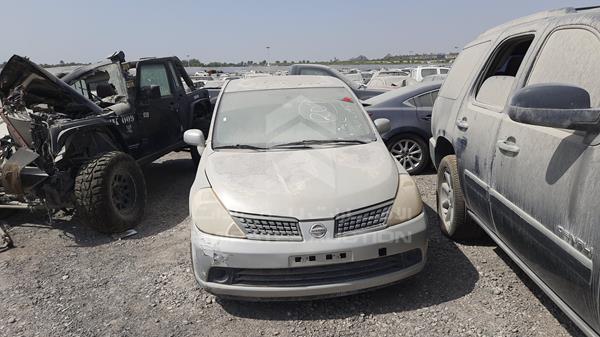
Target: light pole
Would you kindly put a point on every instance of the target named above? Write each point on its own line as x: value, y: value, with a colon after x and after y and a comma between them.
x: 268, y: 56
x: 188, y: 60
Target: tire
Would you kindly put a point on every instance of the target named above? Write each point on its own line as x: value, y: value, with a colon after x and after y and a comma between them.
x: 195, y: 155
x: 6, y: 213
x: 410, y: 151
x: 455, y: 223
x: 110, y: 193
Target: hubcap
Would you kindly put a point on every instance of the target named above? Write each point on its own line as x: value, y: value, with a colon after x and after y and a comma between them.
x: 123, y: 192
x: 408, y: 153
x: 446, y: 200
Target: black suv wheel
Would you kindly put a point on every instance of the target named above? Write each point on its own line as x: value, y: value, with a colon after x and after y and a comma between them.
x: 110, y: 193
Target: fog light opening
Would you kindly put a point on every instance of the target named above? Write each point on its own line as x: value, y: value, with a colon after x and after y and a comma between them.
x: 219, y: 276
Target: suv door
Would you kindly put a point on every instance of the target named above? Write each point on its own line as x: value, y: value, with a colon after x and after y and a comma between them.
x: 479, y: 118
x: 545, y: 193
x: 158, y: 115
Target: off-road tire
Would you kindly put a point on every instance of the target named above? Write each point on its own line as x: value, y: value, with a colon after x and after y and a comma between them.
x: 195, y: 156
x: 102, y: 185
x: 458, y: 225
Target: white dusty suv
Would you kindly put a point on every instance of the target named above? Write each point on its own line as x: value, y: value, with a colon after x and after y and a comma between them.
x: 296, y: 195
x: 515, y: 140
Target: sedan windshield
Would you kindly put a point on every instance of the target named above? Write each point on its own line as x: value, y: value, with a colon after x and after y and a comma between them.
x: 296, y: 117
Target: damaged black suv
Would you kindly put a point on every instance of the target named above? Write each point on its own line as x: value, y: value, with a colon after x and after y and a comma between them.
x: 78, y: 142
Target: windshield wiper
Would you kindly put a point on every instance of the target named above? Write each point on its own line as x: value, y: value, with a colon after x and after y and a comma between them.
x: 308, y: 142
x: 240, y: 146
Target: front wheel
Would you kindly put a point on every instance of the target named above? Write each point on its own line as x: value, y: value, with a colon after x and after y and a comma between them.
x: 411, y: 152
x: 110, y: 193
x: 455, y: 223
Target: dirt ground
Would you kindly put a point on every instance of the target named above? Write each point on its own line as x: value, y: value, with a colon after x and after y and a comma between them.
x: 66, y: 280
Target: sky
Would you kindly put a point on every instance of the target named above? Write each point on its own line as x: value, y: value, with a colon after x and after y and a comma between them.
x: 233, y: 31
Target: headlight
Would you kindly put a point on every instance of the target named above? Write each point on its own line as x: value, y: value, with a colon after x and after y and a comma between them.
x: 209, y: 215
x: 407, y: 204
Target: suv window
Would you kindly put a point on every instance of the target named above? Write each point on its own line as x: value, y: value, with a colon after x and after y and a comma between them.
x: 570, y: 56
x: 462, y: 68
x: 176, y: 77
x: 501, y: 70
x: 155, y: 74
x: 444, y: 71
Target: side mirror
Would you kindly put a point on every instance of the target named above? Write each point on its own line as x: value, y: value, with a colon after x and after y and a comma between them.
x: 195, y: 137
x: 382, y: 125
x: 554, y: 105
x: 150, y: 92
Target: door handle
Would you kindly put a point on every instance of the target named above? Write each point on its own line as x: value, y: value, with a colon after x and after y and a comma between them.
x: 462, y: 124
x: 508, y: 146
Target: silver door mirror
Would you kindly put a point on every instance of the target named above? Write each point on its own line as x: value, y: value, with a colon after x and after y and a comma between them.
x: 382, y: 125
x: 195, y: 137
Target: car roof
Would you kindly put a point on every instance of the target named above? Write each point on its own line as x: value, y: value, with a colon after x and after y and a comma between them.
x: 311, y: 65
x: 283, y: 82
x: 536, y: 17
x: 77, y: 72
x: 406, y: 92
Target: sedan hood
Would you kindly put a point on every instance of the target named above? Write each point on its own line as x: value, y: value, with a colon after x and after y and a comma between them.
x: 304, y: 184
x: 26, y: 84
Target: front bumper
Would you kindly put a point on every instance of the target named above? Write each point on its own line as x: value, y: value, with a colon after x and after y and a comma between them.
x: 268, y: 265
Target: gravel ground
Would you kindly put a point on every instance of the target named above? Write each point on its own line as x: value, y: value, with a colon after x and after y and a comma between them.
x: 66, y: 280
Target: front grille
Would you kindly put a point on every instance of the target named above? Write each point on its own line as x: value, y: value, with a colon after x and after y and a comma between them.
x: 311, y: 276
x: 362, y: 220
x: 268, y: 228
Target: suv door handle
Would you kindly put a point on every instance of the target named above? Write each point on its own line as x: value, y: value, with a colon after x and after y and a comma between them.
x: 508, y: 146
x: 462, y: 124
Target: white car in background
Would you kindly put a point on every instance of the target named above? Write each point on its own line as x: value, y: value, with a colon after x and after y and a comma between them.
x: 297, y: 196
x: 419, y: 73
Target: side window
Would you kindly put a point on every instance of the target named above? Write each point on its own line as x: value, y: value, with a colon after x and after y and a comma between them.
x: 501, y: 71
x: 176, y: 77
x: 428, y: 72
x: 317, y: 72
x: 570, y: 56
x: 444, y: 71
x: 462, y: 68
x: 155, y: 74
x: 425, y: 100
x: 411, y: 102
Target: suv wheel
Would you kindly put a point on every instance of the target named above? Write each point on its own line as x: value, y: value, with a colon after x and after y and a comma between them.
x: 411, y: 152
x: 455, y: 223
x: 110, y: 193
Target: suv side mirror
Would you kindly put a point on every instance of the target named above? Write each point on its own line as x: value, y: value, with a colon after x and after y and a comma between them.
x: 554, y: 105
x: 195, y: 137
x: 382, y: 125
x: 150, y: 92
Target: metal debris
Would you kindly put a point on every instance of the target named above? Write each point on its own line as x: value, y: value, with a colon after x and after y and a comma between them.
x: 125, y: 234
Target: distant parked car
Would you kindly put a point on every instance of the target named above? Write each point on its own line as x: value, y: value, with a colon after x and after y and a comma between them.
x: 409, y: 112
x: 419, y: 73
x: 515, y: 140
x: 435, y: 78
x: 282, y: 152
x: 360, y: 90
x: 387, y: 82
